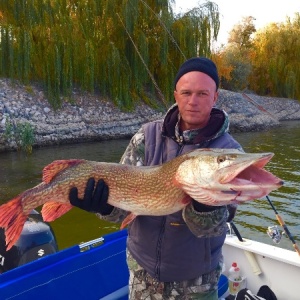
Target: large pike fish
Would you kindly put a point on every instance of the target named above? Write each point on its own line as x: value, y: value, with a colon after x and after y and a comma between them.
x: 210, y: 176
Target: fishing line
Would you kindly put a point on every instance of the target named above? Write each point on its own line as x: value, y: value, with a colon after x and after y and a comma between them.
x: 139, y: 54
x: 165, y: 28
x: 145, y: 65
x: 283, y: 225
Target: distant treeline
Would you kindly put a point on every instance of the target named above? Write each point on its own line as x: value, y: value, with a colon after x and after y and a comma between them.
x: 130, y: 50
x: 265, y: 61
x: 127, y: 50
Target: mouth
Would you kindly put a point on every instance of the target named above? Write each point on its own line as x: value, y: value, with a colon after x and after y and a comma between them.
x: 193, y: 111
x: 249, y: 169
x: 236, y: 177
x: 250, y: 180
x: 256, y: 176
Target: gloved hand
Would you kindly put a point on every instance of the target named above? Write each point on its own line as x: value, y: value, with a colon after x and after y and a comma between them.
x: 94, y: 199
x: 199, y: 207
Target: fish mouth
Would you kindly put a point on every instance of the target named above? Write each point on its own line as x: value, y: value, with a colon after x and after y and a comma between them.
x: 227, y: 176
x: 248, y: 179
x: 249, y: 168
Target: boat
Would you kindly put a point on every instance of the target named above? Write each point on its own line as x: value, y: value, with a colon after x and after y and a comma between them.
x: 97, y: 270
x: 263, y: 264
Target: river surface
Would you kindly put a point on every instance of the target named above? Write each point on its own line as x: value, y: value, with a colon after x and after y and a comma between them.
x: 19, y: 172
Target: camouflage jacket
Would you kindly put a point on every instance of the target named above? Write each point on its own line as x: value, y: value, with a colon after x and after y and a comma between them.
x: 195, y: 237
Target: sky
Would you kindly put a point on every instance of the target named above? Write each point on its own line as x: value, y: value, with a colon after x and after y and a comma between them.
x: 232, y: 12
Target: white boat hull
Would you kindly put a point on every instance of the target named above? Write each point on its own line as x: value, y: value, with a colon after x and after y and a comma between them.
x: 263, y: 264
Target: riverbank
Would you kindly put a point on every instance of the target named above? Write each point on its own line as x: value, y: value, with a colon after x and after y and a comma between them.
x: 91, y: 118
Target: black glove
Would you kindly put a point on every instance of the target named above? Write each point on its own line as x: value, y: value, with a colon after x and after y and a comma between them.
x: 199, y: 207
x: 94, y: 199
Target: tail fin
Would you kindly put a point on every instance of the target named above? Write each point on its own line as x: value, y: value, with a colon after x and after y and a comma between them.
x: 12, y: 219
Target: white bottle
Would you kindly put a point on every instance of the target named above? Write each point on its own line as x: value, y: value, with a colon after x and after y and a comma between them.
x: 235, y: 279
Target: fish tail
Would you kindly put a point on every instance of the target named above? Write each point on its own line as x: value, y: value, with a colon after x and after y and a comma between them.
x: 12, y: 219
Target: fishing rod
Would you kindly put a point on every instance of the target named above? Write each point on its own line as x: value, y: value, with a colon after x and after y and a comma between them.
x: 285, y: 228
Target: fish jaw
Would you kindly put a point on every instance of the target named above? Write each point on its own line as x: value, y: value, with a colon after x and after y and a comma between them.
x: 241, y: 162
x: 224, y: 176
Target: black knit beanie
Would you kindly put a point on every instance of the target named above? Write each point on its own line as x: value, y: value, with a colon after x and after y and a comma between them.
x: 201, y: 64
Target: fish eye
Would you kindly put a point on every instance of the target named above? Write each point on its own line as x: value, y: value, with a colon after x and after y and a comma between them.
x: 221, y: 159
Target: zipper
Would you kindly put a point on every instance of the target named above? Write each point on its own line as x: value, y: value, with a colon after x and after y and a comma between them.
x: 180, y: 149
x: 158, y: 249
x: 162, y: 232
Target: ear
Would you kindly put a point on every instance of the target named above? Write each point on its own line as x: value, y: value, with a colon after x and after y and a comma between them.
x: 175, y: 95
x: 216, y: 95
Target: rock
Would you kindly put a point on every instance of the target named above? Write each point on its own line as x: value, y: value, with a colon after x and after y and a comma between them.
x: 47, y: 110
x: 89, y: 118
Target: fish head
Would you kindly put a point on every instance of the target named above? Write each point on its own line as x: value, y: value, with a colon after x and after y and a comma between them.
x: 224, y: 176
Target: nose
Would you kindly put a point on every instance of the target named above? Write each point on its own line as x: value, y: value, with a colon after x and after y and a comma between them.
x: 193, y: 100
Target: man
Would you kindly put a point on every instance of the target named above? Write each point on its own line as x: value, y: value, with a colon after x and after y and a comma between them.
x: 177, y: 256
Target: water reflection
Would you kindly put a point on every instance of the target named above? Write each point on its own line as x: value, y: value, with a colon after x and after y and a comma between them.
x: 19, y: 172
x: 253, y: 218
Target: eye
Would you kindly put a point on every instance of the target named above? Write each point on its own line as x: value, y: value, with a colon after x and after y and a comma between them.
x: 221, y: 159
x: 202, y: 94
x: 229, y: 158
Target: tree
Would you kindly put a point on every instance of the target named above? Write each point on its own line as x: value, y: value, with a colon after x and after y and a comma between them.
x: 276, y: 59
x: 126, y: 49
x: 236, y: 55
x: 241, y: 33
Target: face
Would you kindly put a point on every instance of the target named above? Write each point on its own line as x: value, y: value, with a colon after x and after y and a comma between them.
x: 195, y: 96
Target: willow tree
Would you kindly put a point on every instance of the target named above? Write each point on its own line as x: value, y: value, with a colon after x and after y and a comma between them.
x: 276, y: 59
x: 126, y: 49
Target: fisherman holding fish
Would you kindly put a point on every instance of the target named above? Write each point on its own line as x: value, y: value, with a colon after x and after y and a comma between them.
x: 176, y: 256
x: 174, y: 188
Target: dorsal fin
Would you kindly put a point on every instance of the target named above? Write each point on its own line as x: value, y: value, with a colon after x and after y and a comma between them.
x: 51, y: 170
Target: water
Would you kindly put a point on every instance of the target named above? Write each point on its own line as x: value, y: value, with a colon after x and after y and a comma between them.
x: 19, y: 172
x: 253, y: 218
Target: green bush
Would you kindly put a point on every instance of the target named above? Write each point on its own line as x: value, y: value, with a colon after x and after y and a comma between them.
x: 22, y: 133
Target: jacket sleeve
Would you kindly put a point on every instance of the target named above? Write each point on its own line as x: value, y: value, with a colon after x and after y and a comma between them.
x: 205, y: 224
x: 133, y: 155
x: 135, y: 151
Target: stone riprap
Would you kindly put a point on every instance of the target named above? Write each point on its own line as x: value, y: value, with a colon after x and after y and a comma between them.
x: 92, y: 118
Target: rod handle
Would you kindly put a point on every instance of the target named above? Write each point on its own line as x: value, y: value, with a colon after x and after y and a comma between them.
x: 281, y: 222
x: 296, y: 248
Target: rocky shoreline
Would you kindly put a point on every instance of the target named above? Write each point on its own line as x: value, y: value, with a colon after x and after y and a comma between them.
x: 91, y: 118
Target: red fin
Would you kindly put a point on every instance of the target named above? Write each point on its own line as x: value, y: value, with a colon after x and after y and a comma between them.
x: 186, y: 199
x: 53, y: 210
x: 51, y: 170
x: 127, y: 220
x: 12, y: 219
x: 176, y: 182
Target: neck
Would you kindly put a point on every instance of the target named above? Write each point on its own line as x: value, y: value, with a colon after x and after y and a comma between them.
x: 186, y: 126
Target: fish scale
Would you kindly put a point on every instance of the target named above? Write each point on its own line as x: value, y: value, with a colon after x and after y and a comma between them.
x: 209, y: 176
